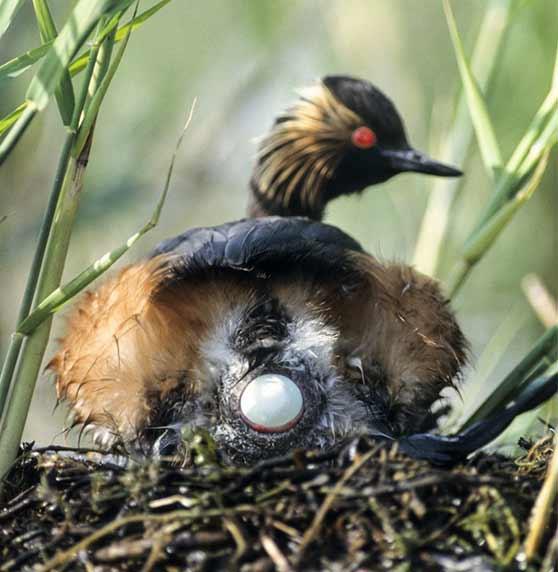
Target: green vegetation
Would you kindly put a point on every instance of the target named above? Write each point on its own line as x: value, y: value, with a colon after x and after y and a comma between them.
x: 77, y: 65
x: 79, y: 114
x: 58, y: 60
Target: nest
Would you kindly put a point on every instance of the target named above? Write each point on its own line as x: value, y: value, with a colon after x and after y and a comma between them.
x: 366, y: 507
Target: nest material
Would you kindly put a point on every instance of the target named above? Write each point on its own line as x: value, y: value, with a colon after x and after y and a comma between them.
x: 367, y: 507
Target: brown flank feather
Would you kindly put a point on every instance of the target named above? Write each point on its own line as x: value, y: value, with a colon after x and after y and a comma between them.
x: 132, y: 340
x: 138, y: 336
x: 393, y: 317
x: 413, y: 334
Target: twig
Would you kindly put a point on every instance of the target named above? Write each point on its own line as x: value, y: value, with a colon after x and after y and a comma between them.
x: 314, y: 529
x: 278, y: 558
x: 62, y: 558
x: 545, y: 503
x: 541, y: 300
x: 235, y: 531
x: 161, y: 539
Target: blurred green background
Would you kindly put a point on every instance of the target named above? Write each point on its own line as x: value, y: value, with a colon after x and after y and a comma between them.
x: 243, y: 59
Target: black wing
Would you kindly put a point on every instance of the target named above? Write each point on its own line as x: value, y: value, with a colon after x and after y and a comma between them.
x: 262, y: 244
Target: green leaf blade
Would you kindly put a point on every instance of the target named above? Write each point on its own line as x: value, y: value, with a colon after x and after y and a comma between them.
x: 64, y: 93
x: 480, y: 117
x: 63, y: 294
x: 16, y: 66
x: 75, y: 32
x: 481, y: 241
x: 72, y: 36
x: 8, y: 10
x: 19, y: 65
x: 545, y: 347
x: 11, y: 118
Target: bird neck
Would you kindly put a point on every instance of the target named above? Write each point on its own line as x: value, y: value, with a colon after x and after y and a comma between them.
x: 298, y: 191
x: 280, y: 200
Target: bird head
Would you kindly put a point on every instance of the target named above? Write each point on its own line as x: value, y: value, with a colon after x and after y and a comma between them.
x: 340, y: 137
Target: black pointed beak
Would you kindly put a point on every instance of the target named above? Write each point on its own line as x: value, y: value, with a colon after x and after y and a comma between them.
x: 410, y: 160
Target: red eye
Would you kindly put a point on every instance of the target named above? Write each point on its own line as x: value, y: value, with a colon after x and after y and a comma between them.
x: 363, y: 138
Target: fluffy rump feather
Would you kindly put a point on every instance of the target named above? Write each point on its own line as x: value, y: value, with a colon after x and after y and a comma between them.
x: 132, y: 341
x: 144, y: 335
x: 411, y: 332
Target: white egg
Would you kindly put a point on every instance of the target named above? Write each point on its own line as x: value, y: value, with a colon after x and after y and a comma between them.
x: 271, y: 402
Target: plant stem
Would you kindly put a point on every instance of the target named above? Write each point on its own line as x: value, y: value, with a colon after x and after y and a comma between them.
x: 16, y: 132
x: 8, y: 367
x: 484, y: 130
x: 51, y: 303
x: 459, y: 274
x: 99, y: 69
x: 20, y: 64
x: 508, y: 183
x: 525, y: 168
x: 545, y: 503
x: 482, y: 240
x: 13, y: 423
x: 64, y: 93
x: 82, y: 20
x: 16, y: 339
x: 52, y: 267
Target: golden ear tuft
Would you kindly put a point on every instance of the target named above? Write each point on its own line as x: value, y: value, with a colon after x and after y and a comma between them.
x: 304, y: 147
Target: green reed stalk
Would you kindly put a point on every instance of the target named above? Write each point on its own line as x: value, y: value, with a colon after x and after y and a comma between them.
x: 64, y: 93
x: 457, y: 140
x: 73, y: 166
x: 16, y: 339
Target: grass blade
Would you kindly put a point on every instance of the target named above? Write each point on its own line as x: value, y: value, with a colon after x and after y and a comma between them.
x: 546, y: 345
x: 517, y: 174
x: 10, y: 119
x: 64, y: 293
x: 480, y: 117
x: 64, y: 93
x: 83, y: 18
x: 8, y: 10
x: 510, y: 180
x: 79, y: 63
x: 20, y: 124
x: 102, y: 81
x: 81, y: 21
x: 53, y: 261
x: 18, y: 65
x: 16, y: 340
x: 456, y: 142
x: 484, y: 239
x: 547, y: 139
x: 31, y: 357
x: 8, y: 367
x: 138, y: 21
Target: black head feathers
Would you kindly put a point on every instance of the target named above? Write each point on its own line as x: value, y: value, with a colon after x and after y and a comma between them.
x: 340, y: 137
